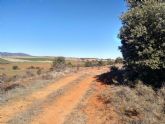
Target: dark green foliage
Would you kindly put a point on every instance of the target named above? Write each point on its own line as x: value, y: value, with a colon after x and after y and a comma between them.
x: 59, y: 64
x: 135, y: 3
x: 143, y: 40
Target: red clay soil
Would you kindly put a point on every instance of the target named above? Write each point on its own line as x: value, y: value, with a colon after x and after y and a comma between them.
x: 18, y: 105
x: 56, y: 111
x: 96, y: 110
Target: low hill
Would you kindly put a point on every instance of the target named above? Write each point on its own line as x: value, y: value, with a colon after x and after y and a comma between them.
x: 4, y: 54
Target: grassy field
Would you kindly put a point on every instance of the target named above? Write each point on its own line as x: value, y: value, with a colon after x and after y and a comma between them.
x: 37, y: 58
x: 2, y: 61
x: 6, y: 67
x: 32, y: 64
x: 22, y: 67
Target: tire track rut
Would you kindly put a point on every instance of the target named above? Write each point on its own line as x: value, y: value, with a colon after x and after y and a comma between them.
x: 56, y: 112
x: 26, y: 116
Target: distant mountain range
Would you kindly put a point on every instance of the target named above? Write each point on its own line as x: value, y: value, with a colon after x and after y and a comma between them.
x: 3, y: 54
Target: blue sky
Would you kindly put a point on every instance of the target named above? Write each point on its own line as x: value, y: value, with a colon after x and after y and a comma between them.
x: 77, y: 28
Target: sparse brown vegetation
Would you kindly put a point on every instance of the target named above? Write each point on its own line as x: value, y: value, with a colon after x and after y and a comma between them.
x: 135, y: 102
x: 47, y: 77
x: 69, y: 64
x: 110, y: 62
x: 31, y: 67
x: 3, y: 78
x: 39, y: 71
x: 30, y: 73
x: 138, y: 105
x: 97, y: 63
x: 88, y: 64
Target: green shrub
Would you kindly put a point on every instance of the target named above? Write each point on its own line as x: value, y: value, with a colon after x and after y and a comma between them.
x: 59, y: 64
x: 119, y: 60
x: 88, y: 64
x: 100, y: 63
x: 143, y: 40
x: 94, y: 63
x: 15, y: 67
x: 69, y: 64
x: 110, y: 62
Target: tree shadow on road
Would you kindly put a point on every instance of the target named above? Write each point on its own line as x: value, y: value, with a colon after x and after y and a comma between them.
x: 118, y: 77
x: 112, y: 77
x: 115, y: 76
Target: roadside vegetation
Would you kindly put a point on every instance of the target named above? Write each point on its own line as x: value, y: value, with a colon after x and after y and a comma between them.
x: 137, y: 91
x: 99, y: 63
x: 22, y: 76
x: 135, y: 83
x: 138, y: 105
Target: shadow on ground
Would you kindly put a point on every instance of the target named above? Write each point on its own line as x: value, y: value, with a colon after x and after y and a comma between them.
x: 112, y: 77
x: 117, y: 77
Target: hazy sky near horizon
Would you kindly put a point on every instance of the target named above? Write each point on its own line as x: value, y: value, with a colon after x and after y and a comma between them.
x: 76, y: 28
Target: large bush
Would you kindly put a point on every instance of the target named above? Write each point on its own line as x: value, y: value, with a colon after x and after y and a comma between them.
x: 119, y: 60
x: 143, y: 40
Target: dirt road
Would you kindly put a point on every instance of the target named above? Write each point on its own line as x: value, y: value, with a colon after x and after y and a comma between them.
x: 53, y: 104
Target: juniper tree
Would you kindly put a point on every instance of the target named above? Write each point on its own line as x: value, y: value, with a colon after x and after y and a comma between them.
x: 143, y: 40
